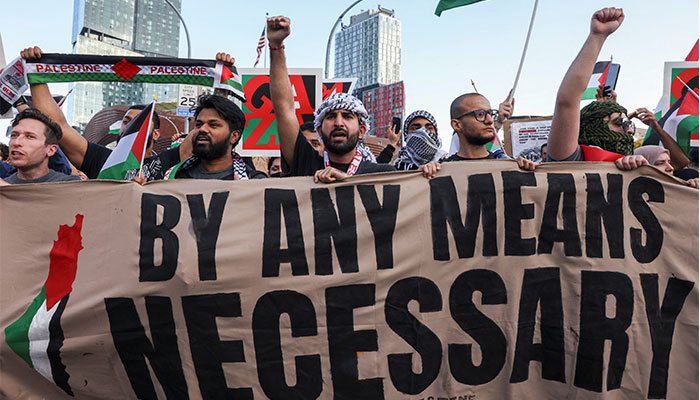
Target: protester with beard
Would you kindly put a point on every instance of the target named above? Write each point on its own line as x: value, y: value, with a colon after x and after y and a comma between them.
x: 218, y: 126
x: 341, y: 121
x: 472, y: 119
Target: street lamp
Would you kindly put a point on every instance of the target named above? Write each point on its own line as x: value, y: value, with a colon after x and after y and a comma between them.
x: 330, y: 37
x: 189, y: 53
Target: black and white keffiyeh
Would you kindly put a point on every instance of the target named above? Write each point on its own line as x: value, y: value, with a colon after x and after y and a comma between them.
x: 341, y: 101
x: 344, y: 101
x: 422, y: 147
x: 417, y: 114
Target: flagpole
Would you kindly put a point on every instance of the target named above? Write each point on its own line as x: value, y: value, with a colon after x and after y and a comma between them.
x: 265, y: 47
x: 522, y: 58
x: 148, y: 130
x: 686, y: 85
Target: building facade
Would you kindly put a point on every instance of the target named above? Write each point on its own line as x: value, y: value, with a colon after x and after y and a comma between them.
x: 123, y: 28
x: 370, y: 48
x: 383, y: 103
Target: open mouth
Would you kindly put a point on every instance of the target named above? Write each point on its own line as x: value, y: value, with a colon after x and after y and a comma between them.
x: 202, y: 139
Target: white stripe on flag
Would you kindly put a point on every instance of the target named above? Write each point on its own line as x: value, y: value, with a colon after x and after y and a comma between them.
x: 594, y: 83
x: 121, y: 152
x: 39, y: 337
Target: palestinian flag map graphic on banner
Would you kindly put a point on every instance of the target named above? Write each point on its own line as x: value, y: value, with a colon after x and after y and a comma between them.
x: 87, y: 68
x: 37, y: 336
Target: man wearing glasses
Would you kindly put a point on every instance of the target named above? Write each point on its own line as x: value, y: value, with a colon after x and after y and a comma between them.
x: 473, y: 119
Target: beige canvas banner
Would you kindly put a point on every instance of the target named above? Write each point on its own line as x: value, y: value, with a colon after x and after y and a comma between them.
x: 486, y: 282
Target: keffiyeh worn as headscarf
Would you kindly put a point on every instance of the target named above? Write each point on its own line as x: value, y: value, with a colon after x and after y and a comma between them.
x: 419, y: 114
x: 341, y: 101
x: 594, y: 130
x: 422, y: 147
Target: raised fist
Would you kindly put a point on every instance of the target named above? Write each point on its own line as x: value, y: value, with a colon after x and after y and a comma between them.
x: 606, y: 21
x: 278, y: 28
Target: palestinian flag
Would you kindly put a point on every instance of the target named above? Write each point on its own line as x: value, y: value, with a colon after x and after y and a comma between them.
x: 680, y: 122
x: 651, y: 135
x: 94, y: 68
x: 115, y: 128
x: 448, y: 4
x: 600, y: 75
x: 227, y: 77
x: 37, y: 335
x: 595, y: 153
x: 131, y: 148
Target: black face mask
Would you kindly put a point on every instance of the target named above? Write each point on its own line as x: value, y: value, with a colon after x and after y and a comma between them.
x: 276, y: 175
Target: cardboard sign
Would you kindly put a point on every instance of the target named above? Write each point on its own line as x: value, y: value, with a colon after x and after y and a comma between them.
x: 577, y: 280
x: 675, y: 74
x: 260, y: 134
x: 525, y: 137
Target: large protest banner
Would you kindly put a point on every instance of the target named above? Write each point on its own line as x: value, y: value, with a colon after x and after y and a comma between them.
x: 486, y: 282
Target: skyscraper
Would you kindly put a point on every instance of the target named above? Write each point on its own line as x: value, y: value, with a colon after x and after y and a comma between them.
x: 125, y: 28
x: 370, y: 48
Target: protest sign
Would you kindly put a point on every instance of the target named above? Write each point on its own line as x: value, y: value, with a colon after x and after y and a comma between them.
x: 524, y: 137
x: 260, y: 134
x: 677, y: 76
x: 574, y: 281
x: 12, y: 84
x: 338, y: 85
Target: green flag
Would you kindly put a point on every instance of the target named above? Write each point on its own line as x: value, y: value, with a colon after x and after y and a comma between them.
x: 448, y: 4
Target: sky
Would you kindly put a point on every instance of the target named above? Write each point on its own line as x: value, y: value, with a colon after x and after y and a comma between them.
x: 482, y: 42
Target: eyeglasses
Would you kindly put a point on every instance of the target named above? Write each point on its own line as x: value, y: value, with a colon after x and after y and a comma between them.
x: 480, y: 115
x: 624, y: 122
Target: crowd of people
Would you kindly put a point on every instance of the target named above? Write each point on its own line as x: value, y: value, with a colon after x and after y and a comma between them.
x: 43, y: 146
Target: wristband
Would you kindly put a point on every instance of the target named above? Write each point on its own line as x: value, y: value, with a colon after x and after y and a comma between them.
x: 276, y: 48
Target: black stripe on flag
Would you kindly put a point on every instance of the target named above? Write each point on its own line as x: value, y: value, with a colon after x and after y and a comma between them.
x: 58, y: 370
x: 653, y: 138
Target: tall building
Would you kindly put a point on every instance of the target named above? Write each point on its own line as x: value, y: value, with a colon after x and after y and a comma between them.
x: 123, y: 28
x: 383, y: 103
x: 370, y: 48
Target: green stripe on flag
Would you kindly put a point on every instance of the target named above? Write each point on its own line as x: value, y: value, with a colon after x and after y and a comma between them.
x: 448, y: 4
x: 590, y: 93
x: 118, y: 171
x: 233, y: 84
x: 17, y: 334
x: 111, y: 77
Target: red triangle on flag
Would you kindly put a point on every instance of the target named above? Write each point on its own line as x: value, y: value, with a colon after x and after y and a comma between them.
x: 693, y: 55
x: 604, y: 75
x: 689, y: 106
x: 226, y: 74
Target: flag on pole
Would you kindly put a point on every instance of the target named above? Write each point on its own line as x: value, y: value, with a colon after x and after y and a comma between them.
x: 650, y: 137
x: 680, y: 122
x: 261, y: 44
x: 37, y: 336
x: 448, y: 4
x: 600, y: 74
x: 131, y: 148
